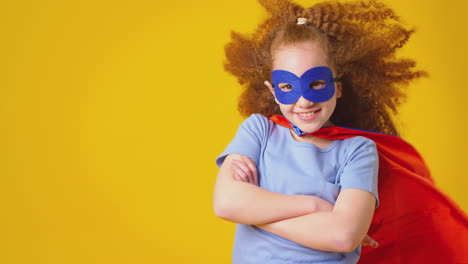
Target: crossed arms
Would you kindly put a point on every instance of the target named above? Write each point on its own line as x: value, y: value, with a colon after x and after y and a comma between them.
x: 304, y: 219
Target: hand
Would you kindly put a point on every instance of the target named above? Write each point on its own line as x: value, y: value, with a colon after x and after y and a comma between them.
x: 245, y: 170
x: 369, y: 241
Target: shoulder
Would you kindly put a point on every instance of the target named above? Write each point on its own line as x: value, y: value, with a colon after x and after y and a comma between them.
x: 256, y: 119
x: 359, y: 142
x: 359, y: 147
x: 257, y: 122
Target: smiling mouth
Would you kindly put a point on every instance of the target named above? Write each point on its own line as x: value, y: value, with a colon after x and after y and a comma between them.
x: 306, y: 116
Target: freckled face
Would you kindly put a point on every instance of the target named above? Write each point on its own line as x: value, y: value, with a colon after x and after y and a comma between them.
x: 298, y: 58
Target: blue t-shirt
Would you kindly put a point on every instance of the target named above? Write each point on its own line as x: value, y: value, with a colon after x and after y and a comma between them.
x: 298, y: 168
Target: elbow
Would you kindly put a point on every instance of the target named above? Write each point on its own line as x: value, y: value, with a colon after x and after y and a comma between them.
x: 223, y: 209
x: 345, y: 242
x: 346, y: 246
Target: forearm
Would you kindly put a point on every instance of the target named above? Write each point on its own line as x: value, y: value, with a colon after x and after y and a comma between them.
x: 321, y: 230
x: 247, y: 203
x: 340, y: 230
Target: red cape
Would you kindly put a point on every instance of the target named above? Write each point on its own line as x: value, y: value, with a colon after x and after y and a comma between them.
x: 415, y: 222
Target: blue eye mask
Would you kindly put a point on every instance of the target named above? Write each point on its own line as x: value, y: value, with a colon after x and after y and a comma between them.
x: 305, y: 86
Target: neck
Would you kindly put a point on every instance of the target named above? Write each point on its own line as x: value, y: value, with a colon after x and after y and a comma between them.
x: 308, y: 136
x: 319, y: 142
x: 328, y: 123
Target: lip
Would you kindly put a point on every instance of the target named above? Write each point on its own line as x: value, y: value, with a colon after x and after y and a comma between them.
x: 308, y: 118
x: 308, y: 111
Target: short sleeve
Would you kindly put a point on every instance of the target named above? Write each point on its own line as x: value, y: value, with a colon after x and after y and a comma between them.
x: 362, y: 168
x: 248, y: 140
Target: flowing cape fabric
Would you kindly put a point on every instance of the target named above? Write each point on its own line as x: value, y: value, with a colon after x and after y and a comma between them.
x: 415, y: 222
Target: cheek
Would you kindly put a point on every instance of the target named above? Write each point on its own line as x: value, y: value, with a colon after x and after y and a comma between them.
x: 286, y: 109
x: 331, y: 105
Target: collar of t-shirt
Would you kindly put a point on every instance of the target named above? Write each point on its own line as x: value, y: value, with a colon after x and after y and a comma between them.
x: 282, y: 121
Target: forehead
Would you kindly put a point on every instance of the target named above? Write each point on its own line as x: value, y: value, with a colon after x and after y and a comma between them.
x: 299, y: 57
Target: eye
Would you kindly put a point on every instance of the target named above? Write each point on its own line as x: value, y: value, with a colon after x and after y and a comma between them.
x: 317, y: 85
x: 285, y: 87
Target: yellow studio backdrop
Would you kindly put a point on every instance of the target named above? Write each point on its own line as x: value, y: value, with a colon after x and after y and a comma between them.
x: 112, y: 114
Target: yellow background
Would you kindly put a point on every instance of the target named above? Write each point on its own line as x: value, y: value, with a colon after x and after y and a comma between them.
x: 112, y: 114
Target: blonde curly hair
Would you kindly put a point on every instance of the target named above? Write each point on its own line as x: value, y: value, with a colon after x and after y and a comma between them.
x: 361, y: 37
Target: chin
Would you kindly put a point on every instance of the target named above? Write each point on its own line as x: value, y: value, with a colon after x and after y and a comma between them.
x: 309, y: 128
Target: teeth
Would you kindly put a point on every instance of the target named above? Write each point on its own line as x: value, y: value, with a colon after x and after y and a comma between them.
x: 307, y: 114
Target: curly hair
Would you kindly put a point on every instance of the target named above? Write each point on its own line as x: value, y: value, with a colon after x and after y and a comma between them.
x: 361, y: 39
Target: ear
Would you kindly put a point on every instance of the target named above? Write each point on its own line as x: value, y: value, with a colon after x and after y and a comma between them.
x: 270, y: 87
x: 338, y: 89
x: 272, y: 90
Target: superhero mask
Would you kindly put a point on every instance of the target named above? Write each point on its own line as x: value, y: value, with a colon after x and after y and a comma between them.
x: 309, y: 85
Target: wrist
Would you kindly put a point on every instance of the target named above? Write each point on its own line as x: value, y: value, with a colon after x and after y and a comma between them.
x: 269, y: 227
x: 308, y: 204
x: 316, y: 204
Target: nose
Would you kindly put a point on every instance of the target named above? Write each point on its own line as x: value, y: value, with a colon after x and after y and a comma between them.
x: 304, y: 103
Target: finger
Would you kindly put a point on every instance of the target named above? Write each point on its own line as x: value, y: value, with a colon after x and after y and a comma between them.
x: 253, y: 168
x: 241, y: 165
x: 236, y: 177
x: 365, y: 241
x: 236, y: 172
x: 371, y: 242
x: 239, y: 172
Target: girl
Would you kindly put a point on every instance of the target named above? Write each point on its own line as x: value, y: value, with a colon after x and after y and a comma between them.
x: 291, y: 165
x: 297, y: 196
